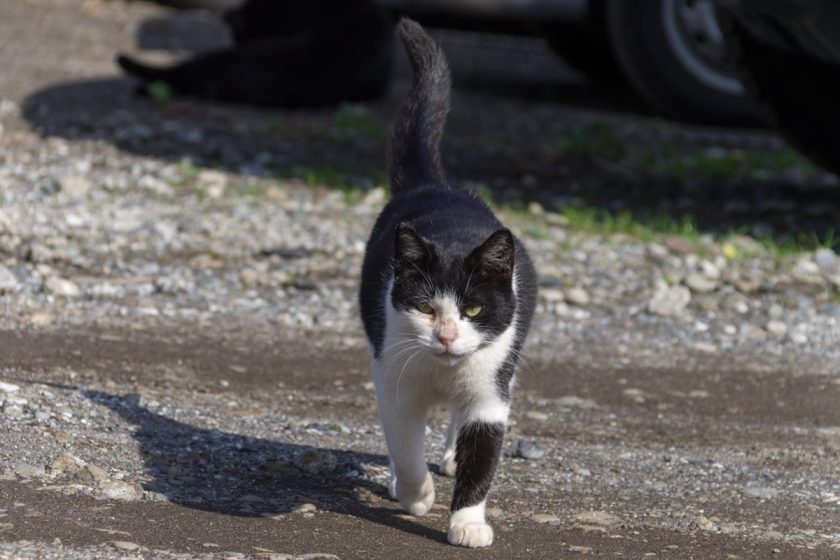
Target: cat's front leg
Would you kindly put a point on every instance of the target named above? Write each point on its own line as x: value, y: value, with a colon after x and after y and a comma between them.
x: 403, y: 418
x: 477, y: 455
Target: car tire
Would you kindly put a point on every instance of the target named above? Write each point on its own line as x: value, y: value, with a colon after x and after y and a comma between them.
x: 774, y: 78
x: 672, y: 52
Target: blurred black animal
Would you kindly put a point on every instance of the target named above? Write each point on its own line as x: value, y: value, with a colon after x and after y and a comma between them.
x: 288, y: 53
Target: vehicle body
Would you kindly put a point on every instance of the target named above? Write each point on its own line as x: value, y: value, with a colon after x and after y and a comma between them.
x: 712, y: 61
x: 671, y: 51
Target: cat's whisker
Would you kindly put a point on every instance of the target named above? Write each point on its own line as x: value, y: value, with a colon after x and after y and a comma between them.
x: 399, y: 377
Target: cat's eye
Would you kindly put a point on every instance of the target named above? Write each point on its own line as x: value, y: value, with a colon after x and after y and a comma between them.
x: 426, y: 308
x: 472, y: 311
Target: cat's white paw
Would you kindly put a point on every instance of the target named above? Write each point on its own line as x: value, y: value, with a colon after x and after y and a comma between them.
x: 417, y: 501
x: 472, y: 535
x: 448, y: 466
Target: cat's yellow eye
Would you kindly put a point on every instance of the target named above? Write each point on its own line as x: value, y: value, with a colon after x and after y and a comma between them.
x: 426, y: 308
x: 472, y: 311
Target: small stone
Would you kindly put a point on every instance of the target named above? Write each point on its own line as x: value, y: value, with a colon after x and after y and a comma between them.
x: 710, y: 270
x: 305, y: 508
x: 776, y: 311
x: 41, y: 319
x: 825, y: 258
x: 375, y: 197
x: 760, y: 492
x: 777, y: 328
x: 544, y: 518
x: 700, y: 283
x: 799, y: 338
x: 702, y: 523
x: 316, y: 461
x: 730, y: 330
x: 580, y: 549
x: 669, y: 301
x: 62, y: 287
x: 552, y: 295
x: 536, y: 209
x: 125, y: 545
x: 12, y: 410
x: 213, y: 182
x: 494, y: 512
x: 536, y: 415
x: 8, y: 387
x: 75, y: 186
x: 8, y: 281
x: 122, y: 491
x: 577, y: 296
x: 529, y: 450
x: 601, y: 518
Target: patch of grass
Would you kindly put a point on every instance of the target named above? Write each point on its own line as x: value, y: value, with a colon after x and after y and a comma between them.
x: 595, y: 140
x: 351, y: 121
x: 787, y: 245
x: 159, y: 91
x: 536, y: 231
x: 188, y: 169
x: 598, y: 220
x: 719, y: 163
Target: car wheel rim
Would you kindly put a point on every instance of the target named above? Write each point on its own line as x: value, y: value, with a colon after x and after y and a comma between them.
x: 696, y: 40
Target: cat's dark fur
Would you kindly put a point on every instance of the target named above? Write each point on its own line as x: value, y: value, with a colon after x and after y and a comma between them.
x: 289, y: 53
x: 435, y: 256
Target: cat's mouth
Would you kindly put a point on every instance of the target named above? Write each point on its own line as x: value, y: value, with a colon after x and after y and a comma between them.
x: 448, y: 357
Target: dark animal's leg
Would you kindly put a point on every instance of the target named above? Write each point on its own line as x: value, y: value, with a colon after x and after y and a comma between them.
x: 477, y: 456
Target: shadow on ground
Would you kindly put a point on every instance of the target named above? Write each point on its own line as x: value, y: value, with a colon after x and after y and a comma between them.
x: 239, y: 475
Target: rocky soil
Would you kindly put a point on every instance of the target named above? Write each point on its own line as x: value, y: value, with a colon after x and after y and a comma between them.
x: 184, y: 374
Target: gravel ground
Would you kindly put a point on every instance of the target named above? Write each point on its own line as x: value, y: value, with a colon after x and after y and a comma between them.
x: 184, y: 373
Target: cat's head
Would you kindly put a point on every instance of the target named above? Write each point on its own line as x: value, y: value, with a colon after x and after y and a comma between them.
x: 454, y: 303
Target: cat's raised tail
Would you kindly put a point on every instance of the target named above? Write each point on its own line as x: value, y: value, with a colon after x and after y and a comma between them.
x: 415, y: 145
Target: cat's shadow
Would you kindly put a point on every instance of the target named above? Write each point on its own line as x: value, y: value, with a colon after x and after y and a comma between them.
x: 239, y: 475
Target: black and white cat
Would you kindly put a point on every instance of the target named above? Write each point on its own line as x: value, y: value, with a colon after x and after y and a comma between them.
x: 447, y: 298
x: 289, y: 53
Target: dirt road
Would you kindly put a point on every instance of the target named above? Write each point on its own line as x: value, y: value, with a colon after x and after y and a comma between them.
x: 182, y: 373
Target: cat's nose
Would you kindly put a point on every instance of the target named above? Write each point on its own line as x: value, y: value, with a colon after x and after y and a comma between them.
x: 447, y: 337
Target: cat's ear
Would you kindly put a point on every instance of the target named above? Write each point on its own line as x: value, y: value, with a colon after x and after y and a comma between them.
x: 410, y: 251
x: 494, y: 258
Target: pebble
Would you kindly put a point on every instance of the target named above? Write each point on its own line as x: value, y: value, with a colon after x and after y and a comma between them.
x: 8, y: 281
x: 75, y: 186
x: 777, y: 328
x: 305, y: 508
x: 316, y: 461
x: 552, y: 295
x: 702, y: 523
x: 529, y: 450
x: 699, y: 283
x: 544, y: 518
x: 536, y: 415
x: 125, y: 545
x: 669, y: 301
x: 761, y: 492
x: 601, y: 518
x: 580, y: 549
x: 577, y: 296
x: 62, y: 287
x: 121, y: 491
x: 825, y: 258
x: 8, y: 387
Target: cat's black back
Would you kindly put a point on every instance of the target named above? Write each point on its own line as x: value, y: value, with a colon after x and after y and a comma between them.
x: 289, y: 53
